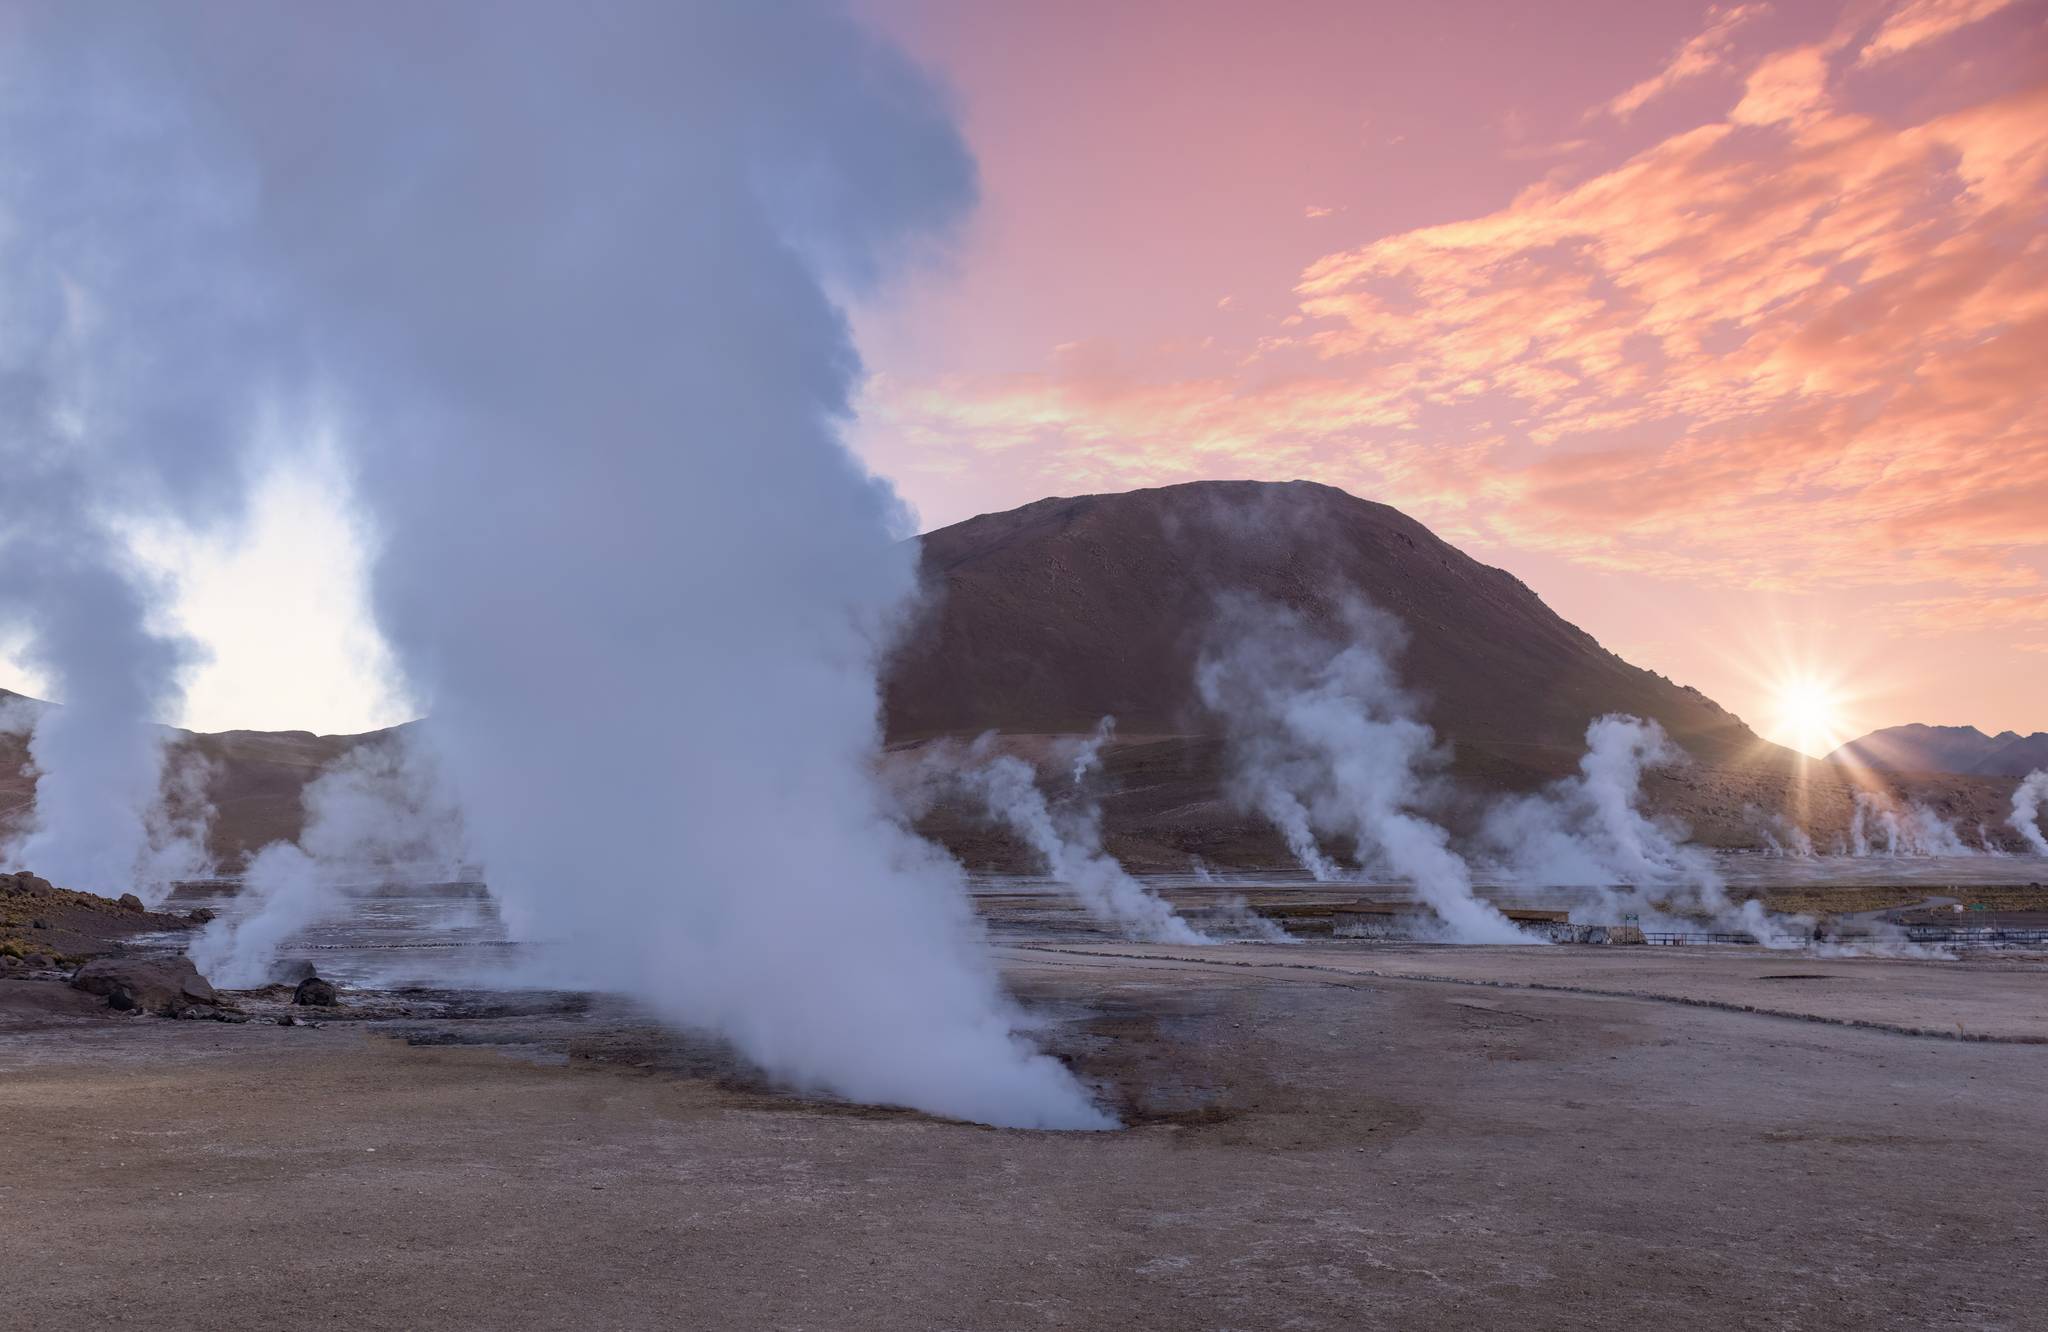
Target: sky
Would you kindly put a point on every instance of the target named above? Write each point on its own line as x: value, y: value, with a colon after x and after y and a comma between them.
x: 1721, y: 326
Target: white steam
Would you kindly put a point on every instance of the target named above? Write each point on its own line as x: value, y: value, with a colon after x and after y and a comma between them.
x: 2027, y: 800
x: 568, y: 274
x: 382, y: 814
x: 1782, y: 837
x: 126, y: 307
x: 1881, y: 826
x: 1065, y: 838
x: 1323, y: 741
x: 1587, y: 840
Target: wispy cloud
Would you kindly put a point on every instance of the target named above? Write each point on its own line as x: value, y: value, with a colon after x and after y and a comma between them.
x: 1921, y: 21
x: 1706, y: 52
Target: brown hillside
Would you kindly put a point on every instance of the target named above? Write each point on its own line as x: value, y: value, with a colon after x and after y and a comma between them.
x: 1053, y: 615
x: 1048, y: 617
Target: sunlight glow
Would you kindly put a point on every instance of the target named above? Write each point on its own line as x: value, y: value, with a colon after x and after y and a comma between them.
x: 1808, y: 714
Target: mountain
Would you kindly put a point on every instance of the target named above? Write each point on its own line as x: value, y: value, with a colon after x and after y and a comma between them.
x: 2018, y: 757
x: 1919, y: 748
x: 1053, y: 615
x: 1042, y: 620
x: 1046, y: 618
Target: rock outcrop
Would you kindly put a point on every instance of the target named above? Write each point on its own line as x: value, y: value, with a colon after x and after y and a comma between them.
x: 169, y: 987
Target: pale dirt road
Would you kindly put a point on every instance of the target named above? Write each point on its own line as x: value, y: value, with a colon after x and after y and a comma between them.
x: 1310, y: 1151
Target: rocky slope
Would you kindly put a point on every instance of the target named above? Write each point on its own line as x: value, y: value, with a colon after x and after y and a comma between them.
x: 1917, y: 748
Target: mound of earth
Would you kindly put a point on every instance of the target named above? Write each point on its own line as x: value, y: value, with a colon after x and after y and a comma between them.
x: 168, y: 986
x: 38, y: 918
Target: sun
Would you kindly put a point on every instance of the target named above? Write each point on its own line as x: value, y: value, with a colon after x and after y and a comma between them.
x: 1809, y: 714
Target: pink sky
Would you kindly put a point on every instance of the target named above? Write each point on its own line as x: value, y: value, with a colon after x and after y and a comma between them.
x: 1724, y: 327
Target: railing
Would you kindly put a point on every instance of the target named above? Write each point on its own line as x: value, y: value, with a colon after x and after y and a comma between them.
x: 1978, y: 936
x: 1695, y: 937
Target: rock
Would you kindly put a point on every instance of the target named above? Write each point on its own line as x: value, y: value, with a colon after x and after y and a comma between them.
x: 287, y: 1020
x: 39, y: 924
x: 201, y: 1013
x: 199, y: 915
x: 39, y: 961
x: 168, y: 985
x: 314, y: 992
x: 130, y: 902
x: 9, y: 961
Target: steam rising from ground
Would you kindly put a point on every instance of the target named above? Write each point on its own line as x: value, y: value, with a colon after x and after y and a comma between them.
x: 567, y: 273
x: 2027, y: 801
x: 1587, y: 838
x: 126, y: 309
x: 1066, y: 837
x: 1325, y: 743
x: 1882, y: 826
x: 1781, y: 835
x: 382, y: 813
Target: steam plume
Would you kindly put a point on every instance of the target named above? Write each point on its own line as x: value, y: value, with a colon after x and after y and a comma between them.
x: 1881, y: 826
x: 1065, y: 838
x: 382, y: 813
x: 126, y: 311
x: 1323, y: 741
x: 1587, y: 839
x: 1069, y: 845
x: 2027, y: 800
x: 568, y: 273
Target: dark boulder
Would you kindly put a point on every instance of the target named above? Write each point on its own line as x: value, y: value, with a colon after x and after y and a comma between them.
x: 130, y: 902
x: 167, y: 985
x: 314, y: 992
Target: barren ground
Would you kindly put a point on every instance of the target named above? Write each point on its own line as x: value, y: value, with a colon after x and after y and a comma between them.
x: 1311, y: 1146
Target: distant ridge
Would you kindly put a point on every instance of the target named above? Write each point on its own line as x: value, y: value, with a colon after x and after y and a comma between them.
x: 1054, y: 614
x: 1958, y: 749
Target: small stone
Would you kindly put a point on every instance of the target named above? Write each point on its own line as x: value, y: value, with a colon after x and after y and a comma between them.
x: 287, y: 1020
x: 200, y: 1013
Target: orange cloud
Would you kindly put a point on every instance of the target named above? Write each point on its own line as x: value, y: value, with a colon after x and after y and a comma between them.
x: 1922, y: 21
x: 1704, y: 53
x: 1797, y: 347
